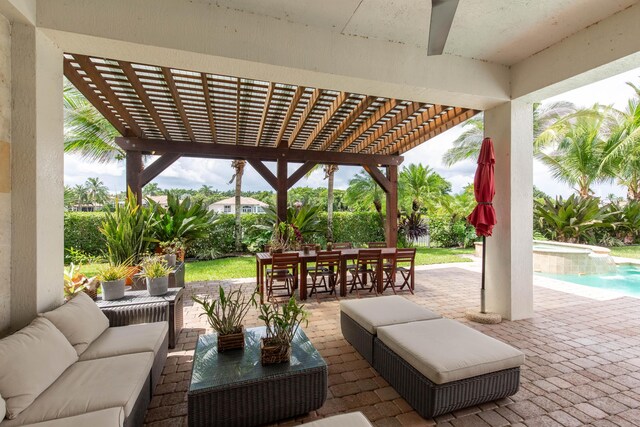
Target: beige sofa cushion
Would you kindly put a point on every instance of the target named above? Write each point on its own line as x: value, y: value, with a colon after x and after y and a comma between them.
x: 371, y: 313
x: 3, y: 408
x: 80, y: 320
x: 444, y: 350
x: 91, y: 386
x: 352, y: 419
x: 32, y: 359
x: 112, y: 417
x: 127, y: 340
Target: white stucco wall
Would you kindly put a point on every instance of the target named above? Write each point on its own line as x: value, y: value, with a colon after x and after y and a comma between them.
x: 5, y: 174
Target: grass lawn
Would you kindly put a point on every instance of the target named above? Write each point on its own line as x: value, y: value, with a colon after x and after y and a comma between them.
x: 626, y: 251
x: 245, y: 266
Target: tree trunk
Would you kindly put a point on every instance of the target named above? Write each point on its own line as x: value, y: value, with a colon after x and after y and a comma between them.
x: 331, y: 169
x: 239, y: 167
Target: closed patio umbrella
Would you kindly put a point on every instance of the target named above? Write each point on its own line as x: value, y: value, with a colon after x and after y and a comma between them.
x: 483, y: 217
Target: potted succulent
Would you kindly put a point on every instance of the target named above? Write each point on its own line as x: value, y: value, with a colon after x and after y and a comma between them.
x: 225, y: 315
x: 156, y: 272
x: 170, y: 251
x: 112, y: 278
x: 282, y: 323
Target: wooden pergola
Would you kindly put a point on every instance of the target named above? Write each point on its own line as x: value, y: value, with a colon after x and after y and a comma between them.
x: 176, y: 113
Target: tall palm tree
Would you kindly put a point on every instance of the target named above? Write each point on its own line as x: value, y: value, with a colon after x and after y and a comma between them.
x: 86, y: 131
x: 329, y: 172
x: 81, y: 195
x: 420, y: 186
x: 97, y: 192
x: 238, y: 166
x: 467, y: 145
x: 364, y: 193
x: 582, y: 142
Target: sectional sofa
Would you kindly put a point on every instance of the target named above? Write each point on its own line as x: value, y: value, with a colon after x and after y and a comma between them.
x: 69, y: 368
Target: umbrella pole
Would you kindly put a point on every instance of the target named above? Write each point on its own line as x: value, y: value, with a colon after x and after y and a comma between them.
x: 484, y: 253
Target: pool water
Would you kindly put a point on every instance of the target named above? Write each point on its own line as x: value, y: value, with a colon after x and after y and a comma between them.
x: 625, y: 280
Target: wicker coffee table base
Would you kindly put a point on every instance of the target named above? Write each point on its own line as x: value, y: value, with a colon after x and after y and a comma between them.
x: 259, y: 402
x: 430, y: 399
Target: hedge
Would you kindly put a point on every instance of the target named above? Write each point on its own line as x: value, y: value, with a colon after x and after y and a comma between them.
x: 81, y: 232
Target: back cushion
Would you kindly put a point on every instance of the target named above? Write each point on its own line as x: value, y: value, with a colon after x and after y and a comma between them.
x: 32, y: 359
x: 80, y: 320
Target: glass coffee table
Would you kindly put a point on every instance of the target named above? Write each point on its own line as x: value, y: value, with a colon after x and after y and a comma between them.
x: 234, y: 389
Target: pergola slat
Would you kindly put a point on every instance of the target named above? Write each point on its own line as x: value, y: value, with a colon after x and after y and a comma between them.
x: 287, y: 118
x: 329, y: 113
x: 407, y: 127
x: 208, y: 103
x: 265, y: 110
x: 348, y: 121
x: 313, y: 99
x: 176, y: 99
x: 367, y: 124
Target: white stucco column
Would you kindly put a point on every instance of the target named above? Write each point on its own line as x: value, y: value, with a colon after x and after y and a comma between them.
x: 509, y: 268
x: 37, y: 169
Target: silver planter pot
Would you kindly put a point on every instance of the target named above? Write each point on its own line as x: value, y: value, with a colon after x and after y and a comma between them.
x: 171, y: 259
x: 158, y: 286
x: 112, y: 290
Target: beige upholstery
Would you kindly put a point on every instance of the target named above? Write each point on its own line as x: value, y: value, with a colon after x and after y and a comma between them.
x: 371, y: 313
x: 3, y: 408
x: 127, y: 340
x: 112, y: 417
x: 89, y: 386
x: 32, y: 359
x: 352, y: 419
x: 444, y: 350
x: 80, y: 320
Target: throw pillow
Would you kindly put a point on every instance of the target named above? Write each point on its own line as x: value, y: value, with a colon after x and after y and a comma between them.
x: 32, y: 359
x: 80, y: 320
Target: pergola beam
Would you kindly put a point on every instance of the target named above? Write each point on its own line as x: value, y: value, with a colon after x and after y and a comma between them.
x: 287, y: 117
x: 367, y: 124
x: 401, y: 116
x: 265, y: 110
x: 313, y: 100
x: 228, y: 151
x: 299, y: 173
x: 335, y: 106
x: 378, y: 177
x: 173, y: 89
x: 208, y: 104
x: 353, y: 115
x: 264, y: 172
x: 157, y: 167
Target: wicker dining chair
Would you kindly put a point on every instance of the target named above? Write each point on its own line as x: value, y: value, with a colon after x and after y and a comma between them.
x: 368, y: 264
x: 326, y: 273
x: 406, y: 266
x: 376, y: 245
x: 283, y: 274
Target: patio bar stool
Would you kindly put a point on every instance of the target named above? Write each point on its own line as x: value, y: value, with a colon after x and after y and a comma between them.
x: 377, y: 245
x: 389, y: 265
x: 368, y: 265
x: 326, y: 273
x: 283, y: 274
x: 406, y: 266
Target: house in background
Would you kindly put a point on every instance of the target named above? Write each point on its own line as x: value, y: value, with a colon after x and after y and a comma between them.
x: 161, y: 200
x: 228, y: 206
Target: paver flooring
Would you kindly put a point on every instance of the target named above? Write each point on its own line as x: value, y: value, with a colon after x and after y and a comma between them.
x: 582, y: 367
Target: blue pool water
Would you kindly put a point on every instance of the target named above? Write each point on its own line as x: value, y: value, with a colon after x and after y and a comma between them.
x: 626, y: 280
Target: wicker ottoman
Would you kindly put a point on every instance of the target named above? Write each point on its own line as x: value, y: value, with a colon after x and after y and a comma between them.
x: 441, y: 365
x: 359, y: 319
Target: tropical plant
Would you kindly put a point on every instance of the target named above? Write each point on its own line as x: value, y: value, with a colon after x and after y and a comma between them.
x: 154, y: 267
x: 74, y: 281
x: 226, y: 314
x: 152, y: 189
x: 364, y: 194
x: 97, y: 192
x: 238, y: 166
x: 625, y: 219
x: 413, y: 226
x: 421, y: 186
x: 113, y: 272
x: 181, y: 221
x: 283, y: 320
x: 329, y: 172
x: 86, y: 131
x: 572, y: 220
x: 305, y: 219
x: 128, y: 231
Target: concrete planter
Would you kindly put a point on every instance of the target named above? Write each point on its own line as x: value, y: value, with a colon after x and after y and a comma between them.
x: 171, y: 259
x: 158, y: 286
x: 113, y: 290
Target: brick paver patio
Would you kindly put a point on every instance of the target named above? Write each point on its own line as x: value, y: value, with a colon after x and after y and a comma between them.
x: 582, y: 368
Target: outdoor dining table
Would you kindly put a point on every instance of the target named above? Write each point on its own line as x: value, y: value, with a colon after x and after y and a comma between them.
x: 263, y: 259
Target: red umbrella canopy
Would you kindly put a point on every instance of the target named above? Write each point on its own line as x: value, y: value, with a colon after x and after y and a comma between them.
x: 483, y: 217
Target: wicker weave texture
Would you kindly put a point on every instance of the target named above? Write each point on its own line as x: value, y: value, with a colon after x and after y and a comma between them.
x: 261, y: 402
x: 357, y: 336
x: 134, y: 314
x: 430, y: 399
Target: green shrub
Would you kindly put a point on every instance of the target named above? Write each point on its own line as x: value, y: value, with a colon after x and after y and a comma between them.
x: 446, y: 232
x: 81, y: 233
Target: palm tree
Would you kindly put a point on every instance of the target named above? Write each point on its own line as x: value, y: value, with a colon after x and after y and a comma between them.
x: 97, y: 192
x: 152, y: 189
x: 364, y: 193
x: 582, y: 142
x: 86, y: 131
x: 81, y: 195
x: 329, y: 172
x: 238, y: 166
x: 467, y: 145
x: 420, y: 186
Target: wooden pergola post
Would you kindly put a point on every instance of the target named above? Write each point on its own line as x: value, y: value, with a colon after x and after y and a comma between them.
x: 281, y: 190
x: 134, y: 168
x: 391, y: 225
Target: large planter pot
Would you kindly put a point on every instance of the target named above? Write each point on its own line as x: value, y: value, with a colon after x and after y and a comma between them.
x: 158, y: 286
x: 133, y: 270
x: 171, y: 259
x: 274, y: 352
x: 112, y: 290
x: 231, y: 341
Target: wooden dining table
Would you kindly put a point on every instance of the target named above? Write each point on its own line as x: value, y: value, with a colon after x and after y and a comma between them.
x: 263, y: 259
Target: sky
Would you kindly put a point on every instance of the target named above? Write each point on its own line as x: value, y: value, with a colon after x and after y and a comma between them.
x: 193, y: 173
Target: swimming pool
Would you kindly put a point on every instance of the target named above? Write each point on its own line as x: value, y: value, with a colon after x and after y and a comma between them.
x: 625, y: 280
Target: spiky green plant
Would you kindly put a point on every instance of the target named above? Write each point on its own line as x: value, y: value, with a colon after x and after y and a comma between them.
x: 283, y: 320
x: 154, y: 267
x: 226, y: 314
x: 182, y: 220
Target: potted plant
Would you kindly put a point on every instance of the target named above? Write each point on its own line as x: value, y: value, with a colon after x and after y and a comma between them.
x: 225, y: 315
x: 282, y: 323
x: 156, y: 272
x: 170, y: 251
x: 75, y: 282
x: 112, y: 278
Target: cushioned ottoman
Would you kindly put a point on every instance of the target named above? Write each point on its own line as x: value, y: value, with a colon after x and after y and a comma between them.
x: 359, y: 319
x: 352, y: 419
x: 441, y: 365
